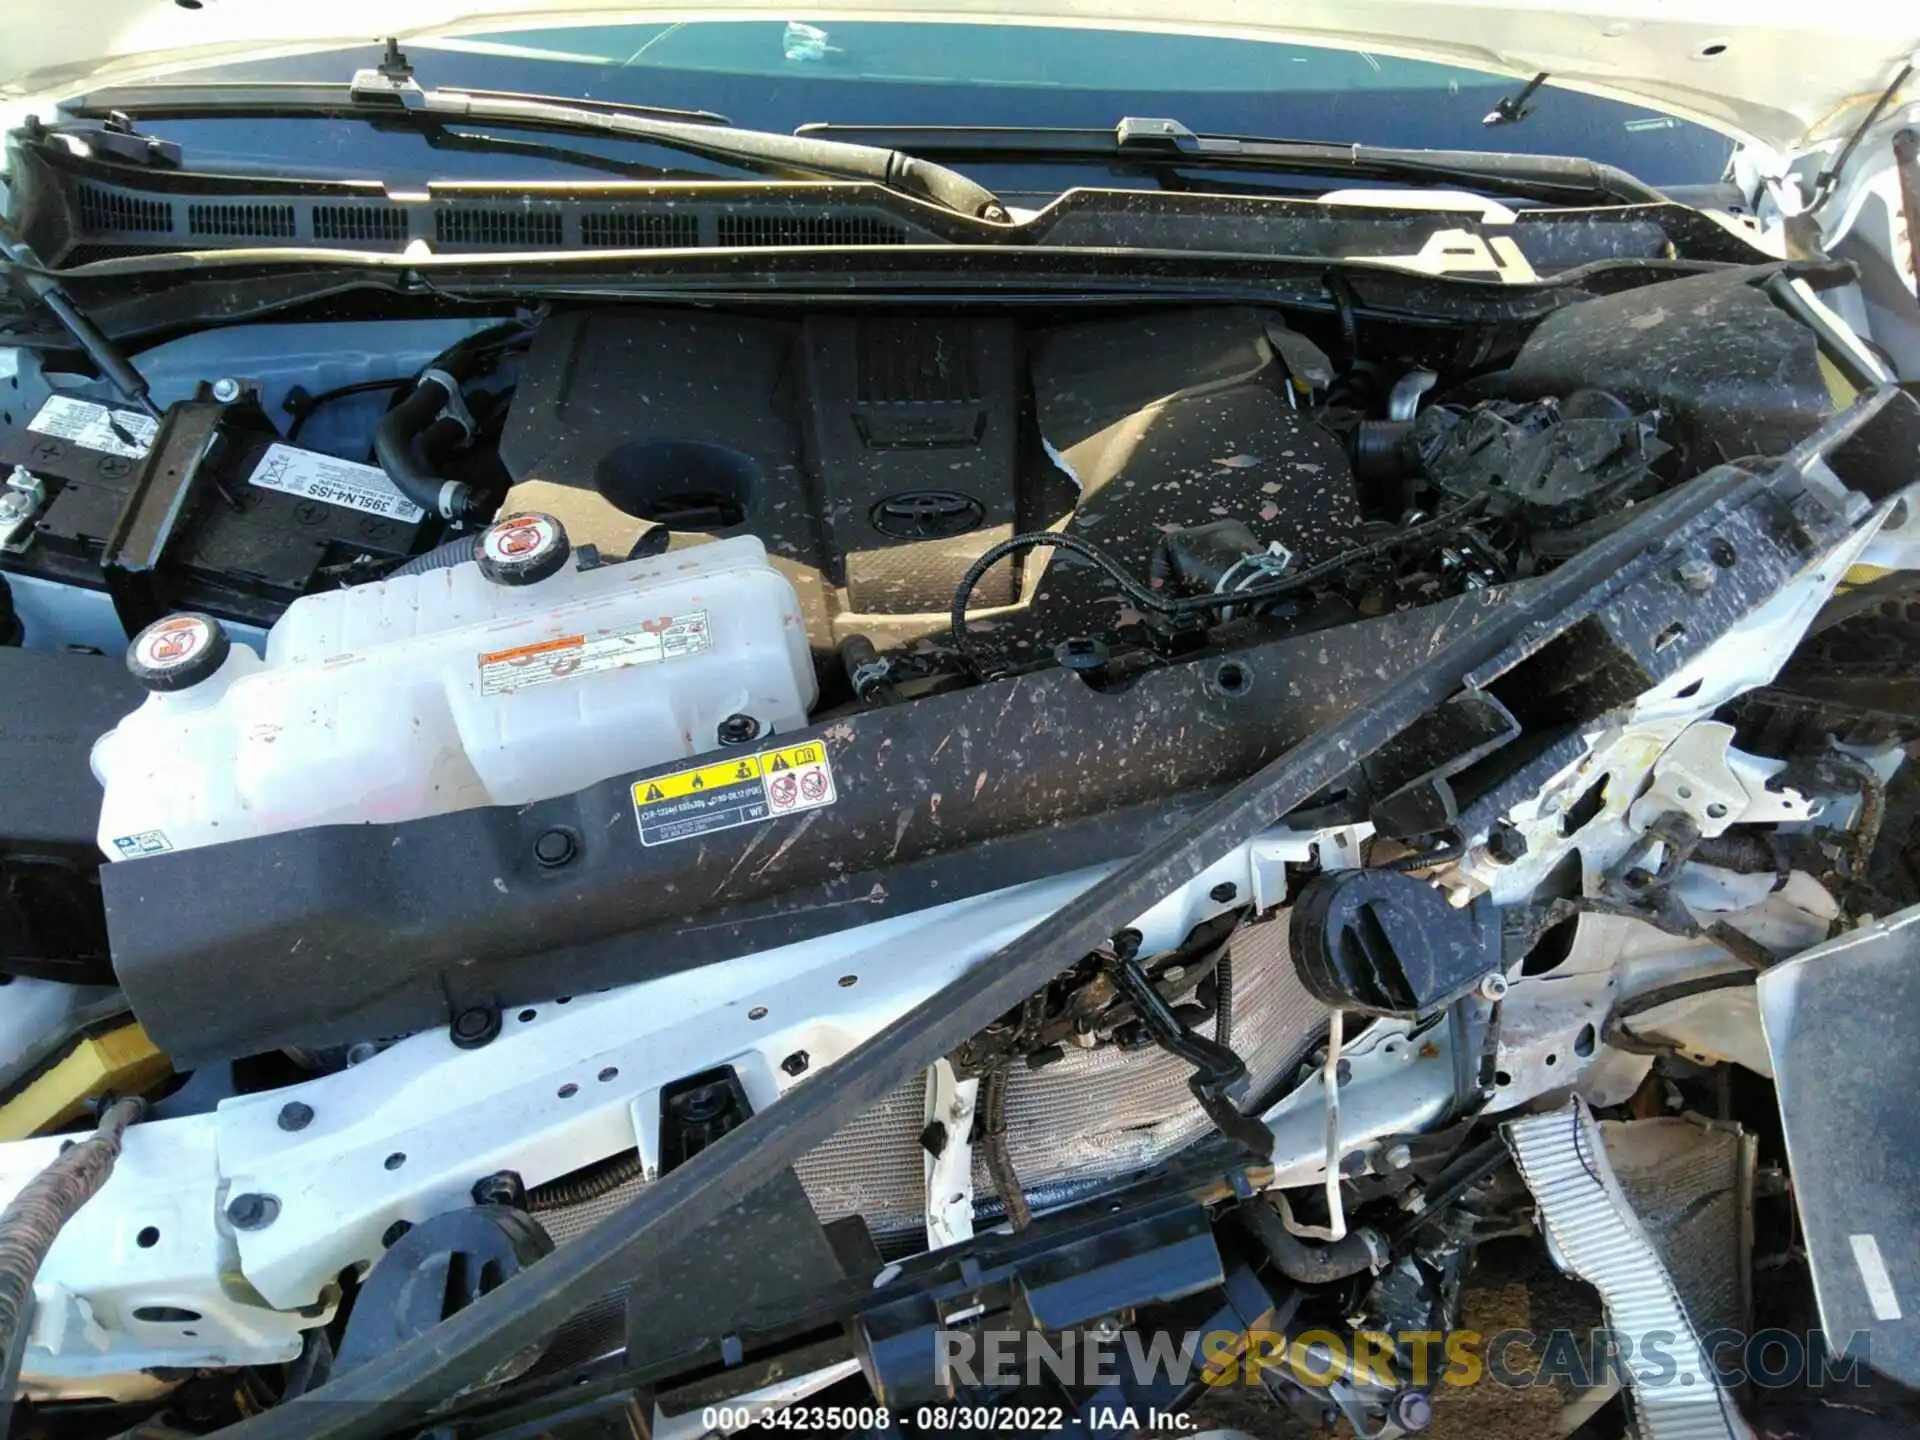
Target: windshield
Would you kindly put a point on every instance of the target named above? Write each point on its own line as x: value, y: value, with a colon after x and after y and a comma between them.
x: 776, y: 75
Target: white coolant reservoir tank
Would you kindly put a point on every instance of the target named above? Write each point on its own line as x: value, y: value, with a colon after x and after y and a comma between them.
x: 510, y: 678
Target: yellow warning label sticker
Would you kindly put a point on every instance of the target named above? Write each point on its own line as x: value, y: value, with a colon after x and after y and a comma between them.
x: 725, y: 793
x: 692, y: 782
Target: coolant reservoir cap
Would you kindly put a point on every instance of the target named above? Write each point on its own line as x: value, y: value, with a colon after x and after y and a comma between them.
x: 522, y: 549
x: 178, y: 651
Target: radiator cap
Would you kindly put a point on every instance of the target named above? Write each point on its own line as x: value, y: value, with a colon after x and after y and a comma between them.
x: 522, y: 549
x: 178, y: 651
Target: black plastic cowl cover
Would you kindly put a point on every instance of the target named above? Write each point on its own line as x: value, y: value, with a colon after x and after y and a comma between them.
x: 1384, y: 943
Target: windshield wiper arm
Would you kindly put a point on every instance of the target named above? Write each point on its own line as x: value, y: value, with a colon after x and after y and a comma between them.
x: 1557, y: 178
x: 390, y: 95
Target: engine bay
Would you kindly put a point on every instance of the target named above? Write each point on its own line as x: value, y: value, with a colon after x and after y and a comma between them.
x: 1132, y: 525
x: 878, y: 459
x: 549, y: 740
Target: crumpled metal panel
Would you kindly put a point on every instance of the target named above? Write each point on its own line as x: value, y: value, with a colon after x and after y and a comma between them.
x: 1839, y: 1021
x: 1593, y: 1229
x: 1691, y: 1183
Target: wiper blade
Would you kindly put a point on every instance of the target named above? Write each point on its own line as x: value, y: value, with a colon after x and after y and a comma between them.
x: 165, y: 100
x: 391, y: 95
x: 1168, y: 143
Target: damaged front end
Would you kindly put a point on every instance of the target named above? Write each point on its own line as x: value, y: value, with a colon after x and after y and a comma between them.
x: 943, y: 852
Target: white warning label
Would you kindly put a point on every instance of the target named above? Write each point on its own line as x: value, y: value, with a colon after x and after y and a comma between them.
x: 336, y: 482
x: 524, y: 666
x: 126, y: 433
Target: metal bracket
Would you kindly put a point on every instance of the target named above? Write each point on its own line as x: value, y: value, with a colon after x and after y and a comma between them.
x: 455, y: 408
x: 20, y: 502
x: 947, y: 1155
x: 1702, y: 776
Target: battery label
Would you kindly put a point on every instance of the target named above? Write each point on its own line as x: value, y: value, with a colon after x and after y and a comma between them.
x: 727, y: 793
x: 525, y: 666
x: 334, y: 482
x: 126, y: 433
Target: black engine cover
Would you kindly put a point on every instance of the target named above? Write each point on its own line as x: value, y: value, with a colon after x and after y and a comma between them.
x: 879, y: 456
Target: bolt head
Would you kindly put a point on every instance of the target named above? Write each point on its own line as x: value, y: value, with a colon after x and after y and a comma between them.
x: 1398, y: 1157
x: 738, y: 730
x: 1505, y: 844
x: 226, y: 390
x: 295, y: 1115
x: 1493, y: 986
x: 1695, y: 574
x: 1412, y: 1410
x: 252, y: 1211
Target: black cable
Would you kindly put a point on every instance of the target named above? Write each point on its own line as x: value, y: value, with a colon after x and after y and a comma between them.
x: 1327, y: 569
x: 1626, y: 1010
x: 1035, y: 540
x: 302, y: 409
x: 1825, y: 181
x: 993, y: 1142
x: 1460, y: 1175
x: 1145, y: 598
x: 1420, y: 861
x: 1343, y: 298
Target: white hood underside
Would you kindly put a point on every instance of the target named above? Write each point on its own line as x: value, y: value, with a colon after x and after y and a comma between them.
x: 1779, y: 73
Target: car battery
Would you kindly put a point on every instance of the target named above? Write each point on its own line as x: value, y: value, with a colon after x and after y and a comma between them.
x: 206, y: 509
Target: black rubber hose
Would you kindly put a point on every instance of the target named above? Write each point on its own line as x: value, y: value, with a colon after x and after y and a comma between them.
x: 34, y: 1219
x: 441, y: 557
x: 395, y: 446
x: 1311, y: 1262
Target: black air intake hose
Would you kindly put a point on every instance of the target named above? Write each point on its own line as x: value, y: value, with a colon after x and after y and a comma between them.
x: 412, y: 438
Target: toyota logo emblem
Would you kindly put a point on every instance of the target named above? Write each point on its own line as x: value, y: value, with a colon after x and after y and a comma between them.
x: 928, y: 514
